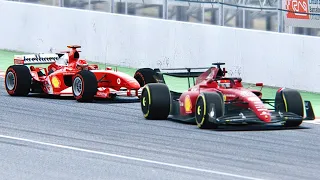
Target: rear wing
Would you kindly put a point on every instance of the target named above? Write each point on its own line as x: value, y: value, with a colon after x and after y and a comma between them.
x: 183, y: 72
x: 29, y: 59
x: 189, y: 72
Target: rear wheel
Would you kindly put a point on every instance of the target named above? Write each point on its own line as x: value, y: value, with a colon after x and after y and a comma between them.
x: 156, y: 101
x: 84, y: 86
x: 145, y: 76
x: 18, y: 80
x: 289, y: 100
x: 209, y: 106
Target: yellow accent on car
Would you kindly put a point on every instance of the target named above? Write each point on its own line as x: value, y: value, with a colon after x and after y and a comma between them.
x: 204, y: 110
x: 199, y: 110
x: 149, y: 103
x: 285, y: 102
x: 144, y: 101
x: 55, y: 82
x: 187, y: 104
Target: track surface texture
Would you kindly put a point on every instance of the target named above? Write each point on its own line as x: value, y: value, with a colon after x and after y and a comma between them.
x: 44, y: 138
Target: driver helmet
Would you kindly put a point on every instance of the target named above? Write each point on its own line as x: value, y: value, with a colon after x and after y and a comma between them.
x: 82, y: 65
x: 224, y: 83
x: 63, y: 60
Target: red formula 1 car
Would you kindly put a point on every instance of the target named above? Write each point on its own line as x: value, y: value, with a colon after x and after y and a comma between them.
x: 67, y: 75
x: 216, y: 100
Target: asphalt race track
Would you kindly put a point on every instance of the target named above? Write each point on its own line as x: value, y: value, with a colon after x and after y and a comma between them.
x: 45, y: 138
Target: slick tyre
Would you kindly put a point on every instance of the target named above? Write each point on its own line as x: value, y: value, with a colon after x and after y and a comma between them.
x: 84, y: 86
x: 209, y: 106
x: 18, y: 80
x: 145, y: 76
x: 155, y: 101
x: 289, y: 100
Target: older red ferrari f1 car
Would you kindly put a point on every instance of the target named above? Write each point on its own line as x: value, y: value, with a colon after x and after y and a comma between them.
x: 67, y: 75
x: 216, y: 100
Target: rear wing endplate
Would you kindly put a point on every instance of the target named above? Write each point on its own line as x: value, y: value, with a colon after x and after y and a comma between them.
x: 29, y: 59
x: 309, y: 111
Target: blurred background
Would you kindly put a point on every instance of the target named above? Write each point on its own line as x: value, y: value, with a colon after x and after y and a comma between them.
x: 268, y: 15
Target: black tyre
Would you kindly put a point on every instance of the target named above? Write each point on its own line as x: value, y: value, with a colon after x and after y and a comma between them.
x: 156, y: 101
x: 289, y: 100
x: 209, y: 106
x: 145, y: 76
x: 84, y: 86
x: 18, y: 80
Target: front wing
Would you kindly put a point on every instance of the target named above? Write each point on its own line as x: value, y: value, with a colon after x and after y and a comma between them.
x: 251, y: 118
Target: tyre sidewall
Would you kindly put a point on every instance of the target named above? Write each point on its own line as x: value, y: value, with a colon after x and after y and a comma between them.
x: 200, y: 110
x: 145, y: 101
x: 22, y: 78
x: 204, y: 102
x: 82, y: 87
x: 13, y: 91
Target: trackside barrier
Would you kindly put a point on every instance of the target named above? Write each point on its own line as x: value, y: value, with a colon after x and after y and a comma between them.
x: 257, y: 56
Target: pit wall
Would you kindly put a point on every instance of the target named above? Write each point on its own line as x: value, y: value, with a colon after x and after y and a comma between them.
x: 281, y: 60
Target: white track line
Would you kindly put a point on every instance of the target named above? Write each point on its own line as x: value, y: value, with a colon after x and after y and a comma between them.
x: 127, y: 157
x: 316, y: 121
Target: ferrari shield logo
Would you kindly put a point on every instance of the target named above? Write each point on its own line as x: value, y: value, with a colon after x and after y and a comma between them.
x: 187, y: 104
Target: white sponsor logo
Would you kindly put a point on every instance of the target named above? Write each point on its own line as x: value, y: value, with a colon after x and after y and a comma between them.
x: 103, y: 94
x: 230, y: 95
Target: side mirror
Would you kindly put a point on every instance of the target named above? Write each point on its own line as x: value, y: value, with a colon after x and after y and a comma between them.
x: 259, y: 84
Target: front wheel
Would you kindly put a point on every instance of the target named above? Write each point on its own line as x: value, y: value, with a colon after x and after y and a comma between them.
x: 84, y: 86
x: 289, y: 100
x: 209, y: 106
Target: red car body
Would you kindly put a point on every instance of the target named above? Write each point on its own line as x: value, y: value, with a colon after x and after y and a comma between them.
x: 230, y: 88
x: 216, y: 99
x: 59, y: 77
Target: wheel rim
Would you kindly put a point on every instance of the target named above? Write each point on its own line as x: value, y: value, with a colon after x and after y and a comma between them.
x: 10, y: 80
x: 145, y: 102
x: 200, y: 111
x: 77, y: 86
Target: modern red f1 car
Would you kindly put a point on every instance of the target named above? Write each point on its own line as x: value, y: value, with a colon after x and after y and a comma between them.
x: 67, y: 75
x: 216, y: 100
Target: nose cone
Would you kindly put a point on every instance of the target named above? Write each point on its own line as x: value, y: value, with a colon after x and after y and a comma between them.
x: 126, y: 80
x: 130, y: 83
x: 134, y: 84
x: 265, y: 116
x: 259, y: 109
